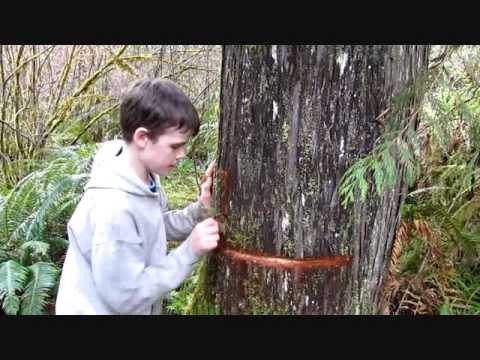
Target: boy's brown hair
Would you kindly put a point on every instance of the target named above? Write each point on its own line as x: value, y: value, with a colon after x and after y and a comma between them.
x: 156, y: 105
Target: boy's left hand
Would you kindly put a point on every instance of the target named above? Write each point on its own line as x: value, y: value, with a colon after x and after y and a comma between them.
x: 206, y: 188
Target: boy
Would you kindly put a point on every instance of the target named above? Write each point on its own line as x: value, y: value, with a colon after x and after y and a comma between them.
x: 116, y: 262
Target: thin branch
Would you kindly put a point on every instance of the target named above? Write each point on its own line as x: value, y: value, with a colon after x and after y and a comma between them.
x: 63, y: 78
x: 204, y: 90
x: 20, y: 66
x: 93, y: 121
x: 14, y: 130
x: 51, y: 123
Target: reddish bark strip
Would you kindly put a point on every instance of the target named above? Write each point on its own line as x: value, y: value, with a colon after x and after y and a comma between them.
x: 283, y: 262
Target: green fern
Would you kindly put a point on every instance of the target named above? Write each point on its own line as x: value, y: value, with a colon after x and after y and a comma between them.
x: 43, y: 197
x: 13, y: 277
x: 57, y: 194
x: 42, y: 280
x: 32, y: 227
x: 3, y: 255
x: 16, y: 208
x: 38, y: 248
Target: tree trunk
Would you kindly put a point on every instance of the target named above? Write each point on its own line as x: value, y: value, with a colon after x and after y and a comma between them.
x: 293, y: 119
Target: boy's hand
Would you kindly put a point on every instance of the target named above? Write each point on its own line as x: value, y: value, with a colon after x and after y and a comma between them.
x: 206, y: 188
x: 205, y: 236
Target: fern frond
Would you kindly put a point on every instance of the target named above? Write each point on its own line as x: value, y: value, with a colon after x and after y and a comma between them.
x: 67, y: 207
x: 43, y: 279
x: 38, y: 248
x: 3, y: 255
x: 17, y: 206
x: 12, y: 279
x: 53, y: 199
x: 43, y: 198
x: 11, y: 304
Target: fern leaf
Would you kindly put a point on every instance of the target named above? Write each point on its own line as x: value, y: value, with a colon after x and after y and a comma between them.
x: 12, y: 279
x: 39, y: 248
x: 43, y: 280
x: 12, y: 276
x: 18, y: 207
x: 54, y: 196
x: 11, y: 304
x: 3, y: 255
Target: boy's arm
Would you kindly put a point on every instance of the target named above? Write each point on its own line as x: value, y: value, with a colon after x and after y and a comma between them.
x: 123, y: 280
x: 180, y: 223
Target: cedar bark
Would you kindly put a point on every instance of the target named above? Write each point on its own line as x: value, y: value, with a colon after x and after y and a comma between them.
x: 293, y: 119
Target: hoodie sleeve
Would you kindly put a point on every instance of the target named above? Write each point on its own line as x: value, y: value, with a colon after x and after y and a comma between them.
x: 121, y: 276
x: 180, y: 223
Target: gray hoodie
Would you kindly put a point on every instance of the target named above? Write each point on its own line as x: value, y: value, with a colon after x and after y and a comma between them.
x: 117, y: 260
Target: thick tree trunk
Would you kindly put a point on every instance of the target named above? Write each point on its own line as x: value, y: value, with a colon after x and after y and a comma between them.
x: 293, y: 119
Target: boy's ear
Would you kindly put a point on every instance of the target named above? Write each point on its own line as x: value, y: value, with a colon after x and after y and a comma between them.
x: 140, y: 137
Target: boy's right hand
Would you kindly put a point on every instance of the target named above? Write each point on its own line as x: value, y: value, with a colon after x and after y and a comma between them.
x: 205, y: 236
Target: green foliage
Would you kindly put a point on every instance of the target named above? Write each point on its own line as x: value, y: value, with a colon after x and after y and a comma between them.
x: 43, y: 278
x: 451, y: 108
x: 13, y: 277
x: 395, y: 150
x: 33, y: 216
x: 382, y: 168
x: 204, y: 146
x: 35, y: 281
x: 180, y: 301
x: 447, y: 192
x: 181, y: 185
x: 413, y: 256
x: 445, y: 309
x: 33, y: 210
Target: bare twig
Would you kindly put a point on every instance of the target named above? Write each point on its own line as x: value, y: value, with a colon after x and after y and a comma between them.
x: 93, y: 121
x: 25, y: 62
x: 16, y: 130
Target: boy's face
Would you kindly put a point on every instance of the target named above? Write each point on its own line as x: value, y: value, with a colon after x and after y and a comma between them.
x: 160, y: 157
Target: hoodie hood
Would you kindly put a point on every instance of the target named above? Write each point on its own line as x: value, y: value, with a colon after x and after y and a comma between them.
x: 110, y: 170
